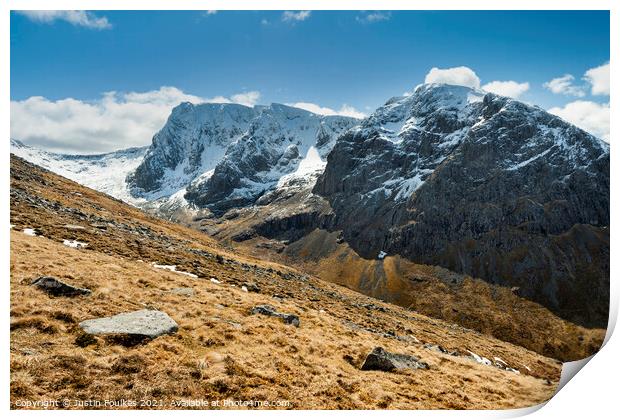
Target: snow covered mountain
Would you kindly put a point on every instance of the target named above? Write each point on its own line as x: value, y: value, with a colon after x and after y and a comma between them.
x: 483, y: 185
x: 448, y: 176
x: 227, y: 155
x: 215, y: 155
x: 191, y: 143
x: 103, y: 172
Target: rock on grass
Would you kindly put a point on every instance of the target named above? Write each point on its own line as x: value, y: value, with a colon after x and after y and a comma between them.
x: 271, y: 311
x: 55, y: 287
x: 139, y: 324
x: 379, y: 359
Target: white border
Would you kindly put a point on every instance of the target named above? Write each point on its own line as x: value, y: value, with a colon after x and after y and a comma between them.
x: 593, y: 394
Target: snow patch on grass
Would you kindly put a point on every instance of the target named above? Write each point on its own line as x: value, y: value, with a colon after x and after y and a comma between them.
x: 74, y: 243
x: 173, y: 268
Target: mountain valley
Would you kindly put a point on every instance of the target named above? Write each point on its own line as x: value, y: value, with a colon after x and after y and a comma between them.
x: 495, y: 208
x: 221, y: 349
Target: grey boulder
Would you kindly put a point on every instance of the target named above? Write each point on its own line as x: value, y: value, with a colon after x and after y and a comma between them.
x: 379, y: 359
x: 271, y: 311
x: 55, y: 287
x: 144, y: 323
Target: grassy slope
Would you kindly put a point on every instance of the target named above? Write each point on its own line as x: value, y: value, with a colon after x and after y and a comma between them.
x: 470, y: 302
x: 220, y: 350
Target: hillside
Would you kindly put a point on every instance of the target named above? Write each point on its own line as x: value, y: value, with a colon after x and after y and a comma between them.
x: 282, y: 231
x: 221, y: 350
x: 449, y: 194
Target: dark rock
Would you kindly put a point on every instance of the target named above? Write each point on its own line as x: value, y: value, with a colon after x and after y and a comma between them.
x: 379, y: 359
x: 252, y: 287
x: 56, y: 287
x: 271, y: 311
x: 244, y: 235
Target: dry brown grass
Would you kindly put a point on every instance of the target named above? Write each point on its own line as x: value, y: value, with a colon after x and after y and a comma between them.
x: 472, y: 303
x: 221, y: 351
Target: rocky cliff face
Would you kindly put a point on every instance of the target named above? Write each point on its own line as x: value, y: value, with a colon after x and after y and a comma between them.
x: 227, y: 155
x: 483, y: 185
x: 278, y: 142
x: 194, y: 139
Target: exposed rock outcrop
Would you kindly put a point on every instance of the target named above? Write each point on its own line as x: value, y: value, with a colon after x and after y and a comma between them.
x: 228, y: 155
x: 271, y: 311
x: 483, y: 185
x: 55, y: 287
x: 379, y: 359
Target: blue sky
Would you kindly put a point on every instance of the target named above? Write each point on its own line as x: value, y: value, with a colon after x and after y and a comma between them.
x: 329, y: 59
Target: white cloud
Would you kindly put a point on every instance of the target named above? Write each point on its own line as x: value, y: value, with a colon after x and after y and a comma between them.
x: 349, y: 111
x: 295, y: 16
x: 462, y: 75
x: 564, y: 85
x: 74, y: 17
x: 508, y: 88
x: 590, y: 116
x: 210, y: 12
x: 598, y: 77
x: 345, y: 110
x: 373, y: 17
x: 246, y: 98
x: 114, y: 121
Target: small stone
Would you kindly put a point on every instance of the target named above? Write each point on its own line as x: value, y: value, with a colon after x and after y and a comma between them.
x: 379, y: 359
x: 251, y: 287
x: 271, y: 311
x: 436, y: 348
x: 74, y: 227
x: 56, y: 287
x: 183, y: 291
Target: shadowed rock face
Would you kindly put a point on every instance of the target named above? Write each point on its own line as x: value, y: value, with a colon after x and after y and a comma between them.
x: 482, y: 185
x: 275, y: 143
x: 193, y: 140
